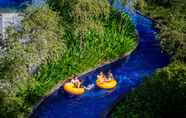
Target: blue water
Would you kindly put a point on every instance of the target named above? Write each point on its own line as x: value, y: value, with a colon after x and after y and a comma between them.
x: 17, y: 5
x: 13, y: 3
x: 129, y: 73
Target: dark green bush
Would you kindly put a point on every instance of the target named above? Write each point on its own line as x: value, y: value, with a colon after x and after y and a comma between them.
x: 171, y: 21
x: 37, y: 40
x: 164, y: 3
x: 160, y: 96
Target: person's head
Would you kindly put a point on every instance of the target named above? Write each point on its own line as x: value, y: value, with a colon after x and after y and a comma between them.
x: 73, y: 76
x: 76, y: 77
x: 101, y: 73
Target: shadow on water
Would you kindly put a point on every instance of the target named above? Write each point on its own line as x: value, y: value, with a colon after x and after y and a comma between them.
x: 128, y: 71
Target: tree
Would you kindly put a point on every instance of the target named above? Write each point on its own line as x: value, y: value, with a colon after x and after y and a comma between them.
x: 38, y: 40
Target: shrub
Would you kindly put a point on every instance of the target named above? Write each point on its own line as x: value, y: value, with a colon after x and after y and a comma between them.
x: 81, y: 15
x: 37, y: 40
x: 160, y: 96
x: 171, y: 21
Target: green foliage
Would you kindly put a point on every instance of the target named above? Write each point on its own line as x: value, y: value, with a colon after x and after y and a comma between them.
x: 45, y: 32
x: 10, y: 107
x: 81, y: 15
x: 171, y: 21
x: 165, y: 3
x: 38, y: 40
x: 160, y: 96
x: 12, y: 101
x: 82, y: 8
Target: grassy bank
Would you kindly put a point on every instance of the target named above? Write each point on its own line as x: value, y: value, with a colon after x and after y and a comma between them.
x: 161, y: 95
x: 98, y: 47
x: 66, y: 38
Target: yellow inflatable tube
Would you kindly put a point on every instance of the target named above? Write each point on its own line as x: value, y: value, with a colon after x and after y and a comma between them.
x: 70, y: 88
x: 107, y: 84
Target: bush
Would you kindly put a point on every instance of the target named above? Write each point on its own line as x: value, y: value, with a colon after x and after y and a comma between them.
x: 37, y: 40
x: 81, y: 15
x: 171, y: 21
x: 160, y: 96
